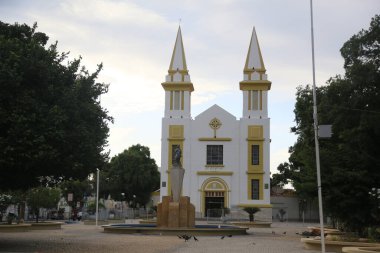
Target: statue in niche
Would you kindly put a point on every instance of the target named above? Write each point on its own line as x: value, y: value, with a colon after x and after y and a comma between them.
x: 177, y: 157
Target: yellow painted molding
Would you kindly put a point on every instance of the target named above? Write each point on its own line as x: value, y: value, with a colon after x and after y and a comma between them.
x: 176, y: 131
x: 182, y: 100
x: 255, y: 85
x: 255, y: 139
x: 259, y: 177
x: 176, y: 139
x: 255, y: 132
x: 254, y: 172
x: 256, y: 205
x: 215, y: 173
x: 185, y: 86
x: 182, y: 71
x: 215, y: 139
x: 260, y: 70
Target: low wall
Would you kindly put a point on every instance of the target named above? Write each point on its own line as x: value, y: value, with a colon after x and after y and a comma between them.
x: 14, y: 228
x: 334, y: 246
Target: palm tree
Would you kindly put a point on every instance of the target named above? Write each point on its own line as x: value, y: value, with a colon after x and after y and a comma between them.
x: 251, y: 211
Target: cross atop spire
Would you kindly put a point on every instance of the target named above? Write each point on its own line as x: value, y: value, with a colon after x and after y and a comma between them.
x: 254, y: 61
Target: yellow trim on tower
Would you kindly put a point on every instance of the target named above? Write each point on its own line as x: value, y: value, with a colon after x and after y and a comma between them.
x: 259, y: 167
x: 255, y: 136
x: 249, y: 100
x: 171, y: 100
x: 255, y: 85
x: 182, y: 100
x: 254, y: 172
x: 177, y: 86
x: 176, y: 137
x: 255, y: 132
x: 259, y: 177
x: 176, y: 132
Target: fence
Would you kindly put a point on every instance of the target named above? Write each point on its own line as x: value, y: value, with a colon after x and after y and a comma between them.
x: 237, y: 215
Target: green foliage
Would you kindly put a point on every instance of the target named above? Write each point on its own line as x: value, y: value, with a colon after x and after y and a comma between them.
x: 42, y: 197
x: 79, y: 189
x: 52, y: 124
x: 351, y: 158
x: 5, y: 201
x: 91, y: 207
x: 251, y: 210
x: 132, y: 172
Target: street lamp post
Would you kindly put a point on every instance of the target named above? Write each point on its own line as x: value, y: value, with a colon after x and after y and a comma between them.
x: 315, y: 116
x: 97, y: 197
x: 122, y: 200
x: 134, y: 205
x: 375, y: 194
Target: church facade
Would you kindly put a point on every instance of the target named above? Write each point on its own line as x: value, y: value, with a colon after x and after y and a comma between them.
x: 226, y: 160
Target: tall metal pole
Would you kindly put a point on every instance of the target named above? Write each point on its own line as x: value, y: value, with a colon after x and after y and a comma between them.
x: 315, y: 116
x: 97, y: 197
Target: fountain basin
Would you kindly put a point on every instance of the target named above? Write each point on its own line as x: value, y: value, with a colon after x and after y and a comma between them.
x: 152, y: 229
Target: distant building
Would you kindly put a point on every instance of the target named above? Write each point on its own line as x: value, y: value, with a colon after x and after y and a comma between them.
x: 226, y: 160
x: 287, y: 206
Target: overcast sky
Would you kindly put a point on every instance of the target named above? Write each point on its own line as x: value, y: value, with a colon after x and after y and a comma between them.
x: 134, y: 40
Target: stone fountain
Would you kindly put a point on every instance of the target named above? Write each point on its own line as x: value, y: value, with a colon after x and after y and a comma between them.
x: 175, y: 214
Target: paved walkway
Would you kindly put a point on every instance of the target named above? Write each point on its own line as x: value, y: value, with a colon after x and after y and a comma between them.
x: 281, y: 237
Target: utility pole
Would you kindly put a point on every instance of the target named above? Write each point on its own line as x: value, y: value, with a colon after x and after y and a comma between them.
x: 315, y: 116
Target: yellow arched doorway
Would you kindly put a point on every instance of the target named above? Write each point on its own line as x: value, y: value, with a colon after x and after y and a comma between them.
x: 214, y: 194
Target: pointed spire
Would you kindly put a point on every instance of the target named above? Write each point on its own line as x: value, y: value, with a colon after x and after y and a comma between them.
x: 178, y: 61
x: 254, y: 61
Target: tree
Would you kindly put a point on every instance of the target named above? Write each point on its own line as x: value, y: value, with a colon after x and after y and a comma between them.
x: 42, y: 197
x: 79, y: 189
x: 351, y: 158
x: 52, y: 124
x: 5, y: 201
x: 132, y: 172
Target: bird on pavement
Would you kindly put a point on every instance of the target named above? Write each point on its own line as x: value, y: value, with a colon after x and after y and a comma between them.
x: 195, y: 239
x: 186, y: 237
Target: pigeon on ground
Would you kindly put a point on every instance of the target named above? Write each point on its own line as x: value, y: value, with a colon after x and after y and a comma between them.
x: 195, y: 239
x: 222, y: 237
x: 186, y: 237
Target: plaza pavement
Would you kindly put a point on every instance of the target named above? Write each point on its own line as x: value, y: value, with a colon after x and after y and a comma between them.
x: 87, y: 238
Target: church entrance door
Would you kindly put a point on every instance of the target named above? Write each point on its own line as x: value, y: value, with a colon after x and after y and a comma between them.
x: 214, y: 204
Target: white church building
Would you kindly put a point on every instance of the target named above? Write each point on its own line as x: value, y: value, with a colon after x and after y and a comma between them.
x: 226, y: 160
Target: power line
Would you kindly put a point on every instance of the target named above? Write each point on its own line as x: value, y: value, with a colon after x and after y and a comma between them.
x: 351, y: 109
